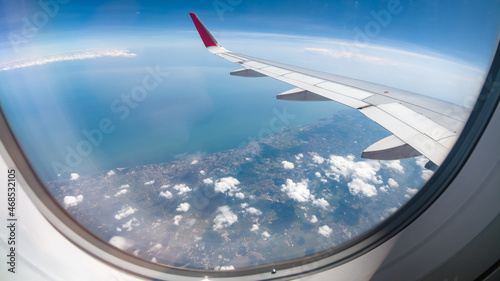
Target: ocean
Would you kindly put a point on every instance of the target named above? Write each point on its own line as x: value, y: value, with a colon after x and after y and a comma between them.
x: 99, y: 114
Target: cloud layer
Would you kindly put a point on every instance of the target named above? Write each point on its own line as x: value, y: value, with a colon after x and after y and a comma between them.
x: 79, y: 55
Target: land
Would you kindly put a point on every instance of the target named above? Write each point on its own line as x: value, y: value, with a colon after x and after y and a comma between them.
x: 258, y: 167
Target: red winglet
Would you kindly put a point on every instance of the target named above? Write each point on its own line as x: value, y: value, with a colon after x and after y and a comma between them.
x: 205, y: 35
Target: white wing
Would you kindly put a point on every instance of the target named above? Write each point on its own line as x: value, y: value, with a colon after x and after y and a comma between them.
x: 420, y: 125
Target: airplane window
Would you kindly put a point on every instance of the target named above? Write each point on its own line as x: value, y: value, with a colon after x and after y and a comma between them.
x: 141, y: 135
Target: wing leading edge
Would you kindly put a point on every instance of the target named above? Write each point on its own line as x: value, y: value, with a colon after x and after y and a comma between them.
x: 420, y: 125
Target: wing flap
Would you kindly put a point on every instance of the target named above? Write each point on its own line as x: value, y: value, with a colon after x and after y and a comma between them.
x: 304, y: 78
x: 254, y: 65
x: 427, y: 146
x: 276, y: 70
x: 417, y: 121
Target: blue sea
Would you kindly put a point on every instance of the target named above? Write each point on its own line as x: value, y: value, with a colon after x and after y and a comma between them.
x: 80, y: 116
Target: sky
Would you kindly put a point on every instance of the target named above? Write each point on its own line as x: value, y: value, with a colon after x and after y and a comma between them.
x: 465, y: 33
x: 465, y: 29
x: 62, y: 63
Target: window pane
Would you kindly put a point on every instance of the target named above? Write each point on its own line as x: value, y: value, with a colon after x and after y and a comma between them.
x: 142, y: 136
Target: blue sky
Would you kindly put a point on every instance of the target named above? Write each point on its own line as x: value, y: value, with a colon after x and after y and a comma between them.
x: 465, y: 28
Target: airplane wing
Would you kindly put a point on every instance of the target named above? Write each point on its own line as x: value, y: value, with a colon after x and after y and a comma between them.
x: 420, y: 125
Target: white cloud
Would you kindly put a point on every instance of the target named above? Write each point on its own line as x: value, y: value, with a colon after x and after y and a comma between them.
x: 384, y: 188
x: 357, y: 186
x: 317, y: 174
x: 421, y: 161
x: 182, y: 188
x: 129, y: 225
x: 228, y: 185
x: 239, y: 195
x: 183, y: 207
x: 125, y: 212
x: 120, y: 242
x: 254, y: 228
x: 202, y: 172
x: 297, y: 191
x: 347, y: 167
x: 288, y: 165
x: 121, y: 192
x: 427, y: 174
x: 265, y: 235
x: 80, y: 55
x: 167, y: 194
x: 322, y: 203
x: 149, y: 182
x: 299, y: 156
x: 224, y: 218
x: 314, y: 219
x: 177, y: 219
x: 71, y: 201
x: 325, y: 230
x: 194, y: 162
x: 208, y: 181
x: 394, y: 165
x: 244, y: 205
x: 74, y: 176
x: 110, y: 173
x: 165, y: 186
x: 392, y: 210
x: 362, y: 174
x: 392, y: 183
x: 224, y: 267
x: 318, y: 159
x: 124, y: 186
x: 254, y: 211
x: 411, y: 191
